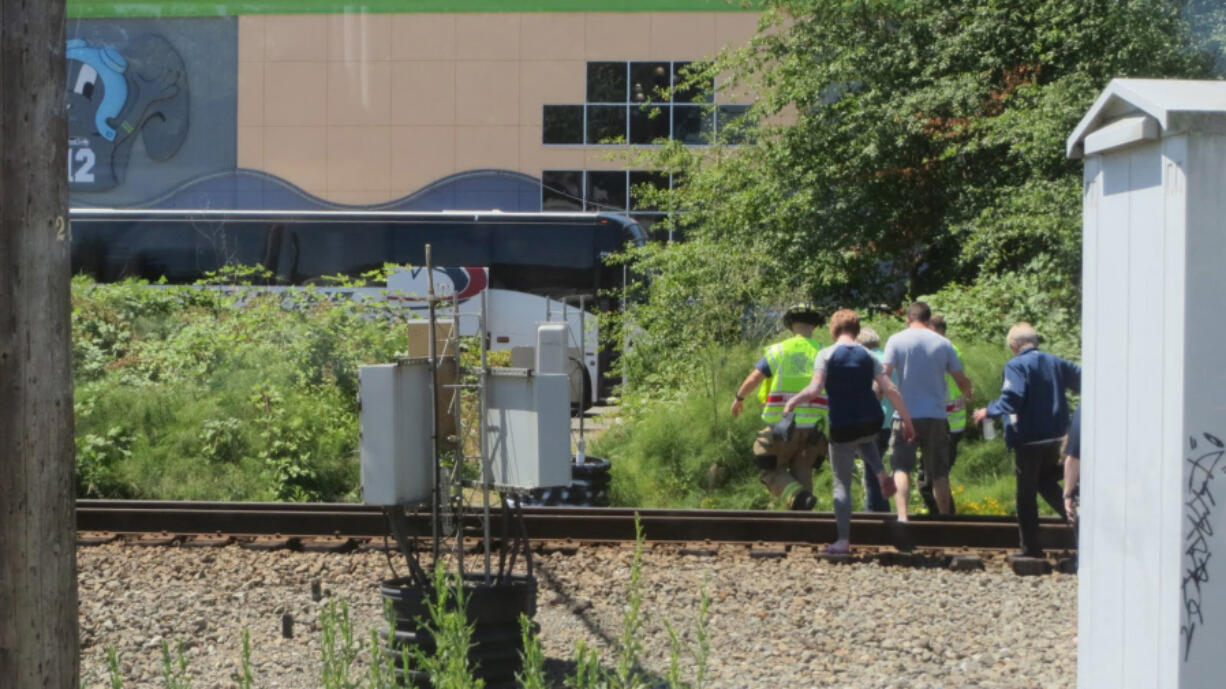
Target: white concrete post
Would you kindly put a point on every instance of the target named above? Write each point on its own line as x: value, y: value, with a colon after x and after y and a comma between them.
x: 1152, y: 597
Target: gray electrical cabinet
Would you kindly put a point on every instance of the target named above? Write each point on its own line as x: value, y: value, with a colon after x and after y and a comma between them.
x: 395, y: 421
x: 528, y: 418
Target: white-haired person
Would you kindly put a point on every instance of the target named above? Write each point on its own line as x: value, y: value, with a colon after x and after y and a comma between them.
x: 874, y: 501
x: 847, y: 371
x: 1035, y: 409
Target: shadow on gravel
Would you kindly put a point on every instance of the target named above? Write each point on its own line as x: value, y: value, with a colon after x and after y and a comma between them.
x: 578, y: 607
x: 557, y: 671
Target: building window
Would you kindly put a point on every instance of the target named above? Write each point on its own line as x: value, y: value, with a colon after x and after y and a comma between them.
x: 726, y: 115
x: 687, y: 90
x: 606, y: 82
x: 605, y: 123
x: 648, y: 124
x: 692, y: 124
x: 639, y: 103
x: 615, y: 191
x: 650, y: 82
x: 562, y: 190
x: 563, y: 124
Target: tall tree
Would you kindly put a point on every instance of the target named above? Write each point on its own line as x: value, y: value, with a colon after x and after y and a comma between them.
x: 38, y: 599
x: 898, y: 146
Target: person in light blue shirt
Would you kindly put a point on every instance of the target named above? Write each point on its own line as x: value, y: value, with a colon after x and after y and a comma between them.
x: 919, y: 358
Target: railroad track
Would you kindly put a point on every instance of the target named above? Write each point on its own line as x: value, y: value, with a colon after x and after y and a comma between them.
x: 576, y: 524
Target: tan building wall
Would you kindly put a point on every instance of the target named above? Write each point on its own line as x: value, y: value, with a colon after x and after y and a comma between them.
x: 366, y: 108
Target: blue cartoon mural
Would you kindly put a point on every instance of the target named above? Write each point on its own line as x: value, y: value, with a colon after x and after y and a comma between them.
x: 115, y: 96
x: 151, y: 105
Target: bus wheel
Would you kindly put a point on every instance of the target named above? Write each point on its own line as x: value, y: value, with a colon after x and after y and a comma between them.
x: 584, y: 403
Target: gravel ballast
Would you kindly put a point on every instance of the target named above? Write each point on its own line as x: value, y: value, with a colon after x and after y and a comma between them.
x: 786, y: 622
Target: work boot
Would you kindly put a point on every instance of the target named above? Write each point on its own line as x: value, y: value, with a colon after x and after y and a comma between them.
x: 803, y: 501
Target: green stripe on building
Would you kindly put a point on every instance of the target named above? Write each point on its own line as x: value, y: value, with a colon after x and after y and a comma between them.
x: 223, y: 8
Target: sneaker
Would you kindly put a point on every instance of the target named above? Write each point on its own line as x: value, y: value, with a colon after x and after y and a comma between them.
x: 836, y: 549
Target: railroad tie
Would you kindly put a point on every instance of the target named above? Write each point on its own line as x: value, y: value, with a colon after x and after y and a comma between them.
x: 767, y: 550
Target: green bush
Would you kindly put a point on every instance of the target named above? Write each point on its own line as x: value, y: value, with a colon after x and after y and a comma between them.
x: 685, y: 450
x: 984, y: 311
x: 194, y: 393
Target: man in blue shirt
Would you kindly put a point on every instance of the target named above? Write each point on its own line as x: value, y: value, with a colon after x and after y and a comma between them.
x: 1033, y: 404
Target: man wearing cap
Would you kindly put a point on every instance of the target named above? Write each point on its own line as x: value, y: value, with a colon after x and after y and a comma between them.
x: 792, y: 445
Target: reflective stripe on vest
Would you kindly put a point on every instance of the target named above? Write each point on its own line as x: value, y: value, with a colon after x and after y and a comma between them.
x: 791, y: 364
x: 955, y: 403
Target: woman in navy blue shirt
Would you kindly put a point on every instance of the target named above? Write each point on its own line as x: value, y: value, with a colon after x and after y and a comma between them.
x: 847, y: 371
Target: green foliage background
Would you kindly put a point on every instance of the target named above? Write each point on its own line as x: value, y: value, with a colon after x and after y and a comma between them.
x: 194, y: 393
x: 901, y: 148
x: 895, y: 149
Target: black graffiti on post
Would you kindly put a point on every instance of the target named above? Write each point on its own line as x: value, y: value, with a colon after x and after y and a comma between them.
x: 1198, y: 540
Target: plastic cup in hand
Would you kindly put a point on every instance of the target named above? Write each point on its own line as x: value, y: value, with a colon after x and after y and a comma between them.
x: 989, y: 429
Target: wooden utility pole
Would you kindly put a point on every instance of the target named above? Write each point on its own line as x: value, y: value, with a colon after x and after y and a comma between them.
x: 38, y: 585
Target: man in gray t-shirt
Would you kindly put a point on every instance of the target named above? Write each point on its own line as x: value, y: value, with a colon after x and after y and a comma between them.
x: 919, y: 359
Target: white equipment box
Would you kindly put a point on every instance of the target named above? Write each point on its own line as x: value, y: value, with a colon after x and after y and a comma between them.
x: 1152, y: 592
x: 394, y: 416
x: 528, y: 418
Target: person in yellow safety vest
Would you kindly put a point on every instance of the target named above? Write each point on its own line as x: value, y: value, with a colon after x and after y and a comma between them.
x: 788, y: 450
x: 955, y: 410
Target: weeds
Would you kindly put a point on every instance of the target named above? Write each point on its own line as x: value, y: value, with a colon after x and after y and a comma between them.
x: 532, y: 676
x: 338, y: 650
x: 448, y: 666
x: 245, y: 678
x: 174, y: 669
x: 629, y: 643
x: 702, y: 651
x: 675, y: 647
x: 164, y: 377
x: 113, y: 669
x: 588, y: 672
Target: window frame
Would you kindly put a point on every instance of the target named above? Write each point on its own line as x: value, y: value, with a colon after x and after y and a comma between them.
x: 666, y: 107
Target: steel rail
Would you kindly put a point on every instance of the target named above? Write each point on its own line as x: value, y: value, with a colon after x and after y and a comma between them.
x: 564, y: 523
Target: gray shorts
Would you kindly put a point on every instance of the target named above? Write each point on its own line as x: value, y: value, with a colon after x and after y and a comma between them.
x: 932, y: 442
